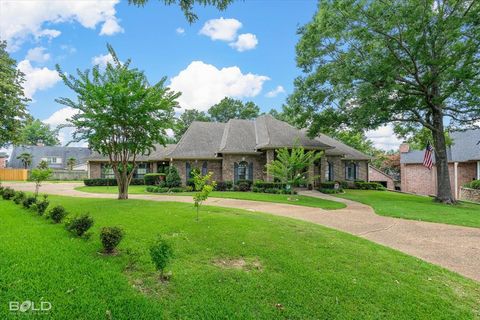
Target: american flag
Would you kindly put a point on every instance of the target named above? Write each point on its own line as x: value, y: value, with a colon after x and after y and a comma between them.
x: 427, y: 158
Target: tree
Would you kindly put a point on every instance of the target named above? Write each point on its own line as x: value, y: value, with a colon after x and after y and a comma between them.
x: 420, y: 138
x: 187, y: 6
x: 120, y: 114
x: 161, y: 252
x: 186, y: 119
x: 12, y: 99
x: 35, y: 132
x: 203, y: 186
x: 26, y: 159
x: 230, y: 108
x: 409, y: 63
x: 39, y: 175
x: 71, y: 163
x: 290, y: 166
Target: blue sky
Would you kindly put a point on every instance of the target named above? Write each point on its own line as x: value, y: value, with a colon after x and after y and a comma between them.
x: 246, y: 52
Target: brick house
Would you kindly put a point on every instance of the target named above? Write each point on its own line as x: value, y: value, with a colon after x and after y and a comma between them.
x: 3, y: 160
x: 377, y: 175
x: 240, y: 149
x: 463, y: 164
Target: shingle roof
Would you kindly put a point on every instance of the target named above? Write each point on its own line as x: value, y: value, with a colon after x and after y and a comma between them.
x: 238, y: 136
x: 38, y: 152
x: 341, y: 149
x: 465, y: 147
x: 160, y: 153
x: 201, y: 141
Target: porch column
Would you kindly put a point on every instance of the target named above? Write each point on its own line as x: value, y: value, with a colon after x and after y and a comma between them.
x: 478, y: 170
x: 311, y: 174
x: 455, y: 180
x: 270, y: 158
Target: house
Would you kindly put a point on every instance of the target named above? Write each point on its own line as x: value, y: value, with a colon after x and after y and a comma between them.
x: 240, y: 149
x: 3, y: 160
x: 56, y: 156
x: 377, y: 175
x: 463, y: 164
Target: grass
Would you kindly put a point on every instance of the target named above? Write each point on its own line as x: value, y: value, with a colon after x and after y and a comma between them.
x: 306, y: 271
x: 407, y: 206
x: 265, y: 197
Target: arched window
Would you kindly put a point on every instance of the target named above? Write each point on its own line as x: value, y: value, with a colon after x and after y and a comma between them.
x: 204, y: 168
x: 351, y: 171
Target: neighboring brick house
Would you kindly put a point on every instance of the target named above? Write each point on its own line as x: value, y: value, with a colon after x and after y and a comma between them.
x: 463, y: 164
x: 56, y: 156
x: 376, y: 175
x: 240, y: 149
x: 3, y: 160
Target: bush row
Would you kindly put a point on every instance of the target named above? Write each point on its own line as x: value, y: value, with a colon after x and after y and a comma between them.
x: 168, y: 190
x: 475, y: 184
x: 77, y: 225
x: 110, y: 182
x: 368, y: 185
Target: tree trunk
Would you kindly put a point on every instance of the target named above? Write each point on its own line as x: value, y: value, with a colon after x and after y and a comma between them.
x: 444, y: 190
x: 122, y: 185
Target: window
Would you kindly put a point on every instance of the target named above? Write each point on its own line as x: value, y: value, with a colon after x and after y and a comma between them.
x: 204, y: 168
x: 188, y: 171
x: 329, y: 171
x: 351, y: 171
x: 242, y: 170
x: 107, y: 171
x: 53, y: 160
x: 162, y: 167
x: 142, y: 169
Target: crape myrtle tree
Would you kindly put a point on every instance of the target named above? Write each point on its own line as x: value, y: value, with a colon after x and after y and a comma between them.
x: 12, y: 98
x: 119, y: 114
x: 414, y: 64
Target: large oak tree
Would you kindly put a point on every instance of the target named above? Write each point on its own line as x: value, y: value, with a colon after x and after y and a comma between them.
x: 413, y: 63
x: 120, y: 114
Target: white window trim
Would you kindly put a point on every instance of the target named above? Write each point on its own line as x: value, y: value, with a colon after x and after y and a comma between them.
x: 478, y: 170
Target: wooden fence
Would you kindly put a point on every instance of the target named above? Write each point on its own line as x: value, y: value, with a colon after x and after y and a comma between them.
x: 13, y: 174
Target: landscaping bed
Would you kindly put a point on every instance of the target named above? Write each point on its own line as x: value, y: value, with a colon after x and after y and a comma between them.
x: 260, y: 265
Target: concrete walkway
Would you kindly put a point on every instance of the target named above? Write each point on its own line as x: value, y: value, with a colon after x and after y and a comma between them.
x: 452, y: 247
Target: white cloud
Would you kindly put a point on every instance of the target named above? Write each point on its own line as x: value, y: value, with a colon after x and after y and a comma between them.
x: 180, y: 30
x: 384, y: 138
x: 245, y: 41
x: 221, y: 29
x: 65, y: 135
x: 68, y: 48
x: 110, y: 27
x: 37, y: 78
x: 102, y: 60
x: 21, y: 20
x: 203, y: 85
x: 275, y: 92
x: 38, y: 54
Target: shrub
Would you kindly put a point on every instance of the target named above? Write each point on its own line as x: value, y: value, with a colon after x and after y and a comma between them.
x: 191, y: 183
x: 19, y: 197
x: 243, y: 186
x: 330, y: 191
x: 1, y: 188
x: 110, y: 182
x: 245, y: 181
x: 328, y: 185
x: 8, y: 193
x: 110, y: 238
x: 79, y: 225
x: 57, y: 214
x: 188, y: 188
x: 224, y: 186
x: 161, y: 252
x: 368, y: 185
x: 263, y: 185
x: 29, y: 201
x: 177, y: 190
x: 172, y: 179
x: 43, y: 205
x: 475, y: 184
x: 152, y: 179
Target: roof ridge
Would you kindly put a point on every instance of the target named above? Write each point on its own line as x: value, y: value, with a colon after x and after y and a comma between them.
x: 226, y: 131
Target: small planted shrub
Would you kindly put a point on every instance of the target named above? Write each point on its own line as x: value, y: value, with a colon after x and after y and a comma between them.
x: 28, y: 202
x: 43, y: 205
x: 243, y: 186
x: 80, y: 225
x: 475, y: 184
x: 19, y: 197
x: 57, y: 214
x: 173, y: 179
x: 8, y: 193
x: 224, y: 186
x: 368, y: 185
x: 152, y: 179
x: 161, y: 252
x: 177, y: 190
x: 110, y: 238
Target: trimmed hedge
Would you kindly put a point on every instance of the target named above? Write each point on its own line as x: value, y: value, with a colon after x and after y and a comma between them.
x: 475, y: 184
x: 368, y: 185
x: 167, y: 190
x: 110, y: 182
x: 224, y: 186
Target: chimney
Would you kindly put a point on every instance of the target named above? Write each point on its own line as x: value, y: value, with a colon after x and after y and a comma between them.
x: 404, y: 147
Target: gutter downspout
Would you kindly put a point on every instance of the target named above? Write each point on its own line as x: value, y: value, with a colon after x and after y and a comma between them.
x: 478, y: 170
x: 455, y: 178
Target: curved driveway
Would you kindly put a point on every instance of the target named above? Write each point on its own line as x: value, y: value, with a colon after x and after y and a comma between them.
x: 452, y: 247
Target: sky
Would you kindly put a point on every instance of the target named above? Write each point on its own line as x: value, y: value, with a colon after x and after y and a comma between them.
x: 246, y: 52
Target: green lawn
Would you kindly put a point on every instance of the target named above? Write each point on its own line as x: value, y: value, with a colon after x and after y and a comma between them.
x: 414, y: 207
x: 304, y: 271
x: 266, y: 197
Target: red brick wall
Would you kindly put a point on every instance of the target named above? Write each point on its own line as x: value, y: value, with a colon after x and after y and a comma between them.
x: 377, y: 176
x: 418, y: 179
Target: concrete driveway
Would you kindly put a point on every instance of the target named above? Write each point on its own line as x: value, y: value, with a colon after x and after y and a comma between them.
x: 452, y: 247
